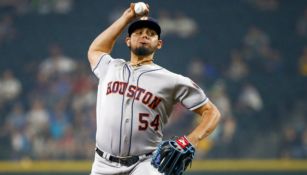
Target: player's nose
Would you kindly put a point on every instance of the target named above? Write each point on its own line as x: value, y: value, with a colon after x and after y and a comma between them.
x: 145, y: 35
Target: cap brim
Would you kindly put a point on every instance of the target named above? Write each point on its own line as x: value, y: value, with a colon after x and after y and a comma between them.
x: 144, y: 23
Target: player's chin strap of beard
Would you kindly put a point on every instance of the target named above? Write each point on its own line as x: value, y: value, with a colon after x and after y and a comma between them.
x: 141, y: 52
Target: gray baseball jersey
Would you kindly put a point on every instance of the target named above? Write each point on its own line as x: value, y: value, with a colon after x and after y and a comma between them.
x: 134, y: 103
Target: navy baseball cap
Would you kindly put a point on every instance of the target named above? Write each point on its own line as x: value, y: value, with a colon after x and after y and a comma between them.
x: 145, y: 22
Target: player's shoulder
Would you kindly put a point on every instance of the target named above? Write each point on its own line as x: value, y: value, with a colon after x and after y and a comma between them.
x: 114, y: 61
x: 165, y: 71
x: 119, y: 61
x: 171, y: 74
x: 172, y: 77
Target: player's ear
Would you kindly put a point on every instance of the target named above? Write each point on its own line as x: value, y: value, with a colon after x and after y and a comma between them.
x: 128, y: 41
x: 160, y: 44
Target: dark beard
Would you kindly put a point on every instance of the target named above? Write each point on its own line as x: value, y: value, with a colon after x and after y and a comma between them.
x: 142, y: 51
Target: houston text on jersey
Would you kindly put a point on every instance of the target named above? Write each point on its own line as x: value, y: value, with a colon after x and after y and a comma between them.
x: 133, y: 91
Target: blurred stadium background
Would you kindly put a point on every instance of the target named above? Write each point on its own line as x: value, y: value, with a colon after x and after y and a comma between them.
x: 250, y: 56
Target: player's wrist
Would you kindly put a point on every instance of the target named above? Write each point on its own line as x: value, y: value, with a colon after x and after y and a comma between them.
x: 193, y: 141
x: 129, y: 15
x: 184, y: 142
x: 126, y: 19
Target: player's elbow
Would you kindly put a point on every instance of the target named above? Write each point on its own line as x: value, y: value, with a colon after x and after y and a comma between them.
x: 217, y: 115
x: 90, y: 53
x: 214, y: 120
x: 93, y: 57
x: 92, y: 50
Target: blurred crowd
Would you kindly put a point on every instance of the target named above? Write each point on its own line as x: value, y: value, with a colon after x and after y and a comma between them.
x: 47, y: 106
x: 57, y: 118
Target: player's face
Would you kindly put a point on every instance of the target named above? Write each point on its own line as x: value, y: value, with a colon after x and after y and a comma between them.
x: 144, y: 42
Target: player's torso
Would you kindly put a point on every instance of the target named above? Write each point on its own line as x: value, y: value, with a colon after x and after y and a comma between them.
x: 132, y: 107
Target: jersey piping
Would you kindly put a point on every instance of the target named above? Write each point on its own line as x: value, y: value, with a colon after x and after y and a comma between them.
x: 122, y: 113
x: 137, y: 84
x: 99, y: 61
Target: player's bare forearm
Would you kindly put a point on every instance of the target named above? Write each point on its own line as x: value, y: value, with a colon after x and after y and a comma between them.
x: 105, y: 41
x: 210, y: 119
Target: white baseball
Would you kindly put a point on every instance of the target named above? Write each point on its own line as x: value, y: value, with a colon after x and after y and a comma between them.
x: 140, y: 8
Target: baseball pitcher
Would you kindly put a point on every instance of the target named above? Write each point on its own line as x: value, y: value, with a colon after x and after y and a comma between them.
x: 134, y: 102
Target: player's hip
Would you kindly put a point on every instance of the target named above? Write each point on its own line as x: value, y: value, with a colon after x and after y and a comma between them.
x: 106, y: 163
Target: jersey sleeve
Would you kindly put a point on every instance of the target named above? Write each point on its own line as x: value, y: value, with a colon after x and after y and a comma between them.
x: 189, y: 93
x: 102, y: 66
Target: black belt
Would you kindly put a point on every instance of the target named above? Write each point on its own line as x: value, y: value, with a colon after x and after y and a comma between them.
x: 126, y: 161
